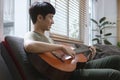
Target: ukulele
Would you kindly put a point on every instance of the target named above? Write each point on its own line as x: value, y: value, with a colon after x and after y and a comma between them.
x: 56, y: 65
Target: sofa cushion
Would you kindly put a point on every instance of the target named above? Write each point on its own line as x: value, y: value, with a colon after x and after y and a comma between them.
x: 106, y: 50
x: 15, y: 48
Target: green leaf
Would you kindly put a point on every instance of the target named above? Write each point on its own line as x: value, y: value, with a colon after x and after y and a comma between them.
x: 94, y: 21
x: 96, y: 39
x: 102, y: 28
x: 98, y: 35
x: 107, y: 34
x: 107, y: 42
x: 101, y: 32
x: 102, y: 19
x: 104, y: 23
x: 118, y: 44
x: 113, y: 23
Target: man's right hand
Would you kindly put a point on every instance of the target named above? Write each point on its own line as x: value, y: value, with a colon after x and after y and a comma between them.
x: 68, y: 50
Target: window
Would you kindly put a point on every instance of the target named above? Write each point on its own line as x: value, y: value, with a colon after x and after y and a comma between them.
x: 15, y: 17
x: 91, y: 14
x: 8, y: 18
x: 66, y: 19
x: 70, y: 19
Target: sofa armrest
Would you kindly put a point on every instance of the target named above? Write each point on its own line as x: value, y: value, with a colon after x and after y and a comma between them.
x: 5, y: 73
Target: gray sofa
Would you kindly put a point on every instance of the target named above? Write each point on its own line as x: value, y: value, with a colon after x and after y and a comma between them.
x: 14, y: 64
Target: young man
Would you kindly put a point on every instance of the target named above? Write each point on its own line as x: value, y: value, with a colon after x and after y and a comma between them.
x: 35, y: 42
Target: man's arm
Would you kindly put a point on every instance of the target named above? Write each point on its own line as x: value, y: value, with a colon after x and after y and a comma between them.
x: 41, y: 47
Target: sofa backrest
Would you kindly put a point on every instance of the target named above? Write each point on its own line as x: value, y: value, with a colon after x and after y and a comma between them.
x: 15, y: 49
x: 10, y: 63
x: 5, y: 74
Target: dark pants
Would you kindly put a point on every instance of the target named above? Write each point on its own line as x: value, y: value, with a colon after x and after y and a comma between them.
x: 107, y: 68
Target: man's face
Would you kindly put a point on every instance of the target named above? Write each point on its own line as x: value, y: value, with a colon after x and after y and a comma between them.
x: 47, y: 22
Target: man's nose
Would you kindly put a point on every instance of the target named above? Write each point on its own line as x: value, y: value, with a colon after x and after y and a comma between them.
x: 52, y: 21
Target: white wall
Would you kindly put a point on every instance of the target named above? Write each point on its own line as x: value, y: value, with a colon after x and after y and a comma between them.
x: 108, y: 8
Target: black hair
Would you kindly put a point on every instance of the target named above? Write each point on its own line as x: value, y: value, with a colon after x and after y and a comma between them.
x: 43, y: 9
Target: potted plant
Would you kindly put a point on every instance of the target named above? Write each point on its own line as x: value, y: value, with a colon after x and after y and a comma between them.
x: 101, y: 37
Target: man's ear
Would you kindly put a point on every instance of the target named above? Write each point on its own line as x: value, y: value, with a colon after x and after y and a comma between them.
x: 39, y: 17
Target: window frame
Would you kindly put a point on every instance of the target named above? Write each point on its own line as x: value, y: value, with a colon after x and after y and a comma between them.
x: 61, y: 38
x: 82, y: 23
